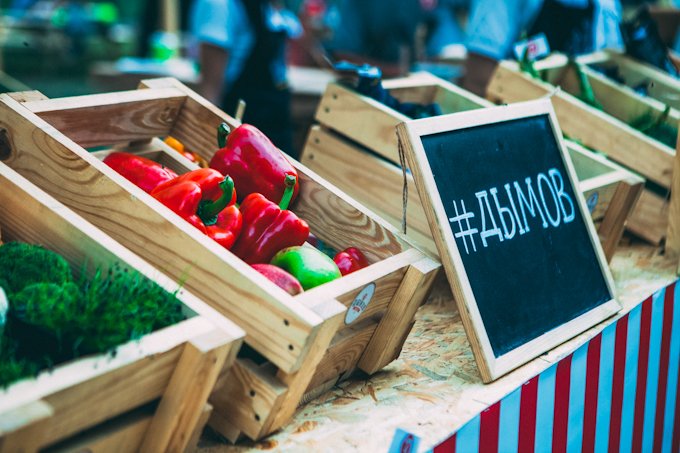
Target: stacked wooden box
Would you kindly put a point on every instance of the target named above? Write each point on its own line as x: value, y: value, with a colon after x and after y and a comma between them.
x: 148, y: 395
x: 355, y: 147
x: 607, y: 130
x: 294, y: 344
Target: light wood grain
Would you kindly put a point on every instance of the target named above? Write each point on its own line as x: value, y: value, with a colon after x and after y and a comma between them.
x: 389, y: 338
x: 103, y: 119
x: 246, y: 397
x: 649, y: 219
x: 594, y: 128
x: 299, y: 381
x: 23, y: 428
x: 344, y: 352
x: 660, y: 85
x: 124, y: 211
x: 184, y: 398
x: 336, y: 218
x: 123, y: 434
x: 371, y: 124
x: 673, y: 233
x: 378, y: 183
x: 92, y: 390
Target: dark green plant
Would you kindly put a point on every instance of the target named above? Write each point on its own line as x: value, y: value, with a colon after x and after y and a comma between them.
x: 25, y: 264
x: 586, y: 90
x: 50, y: 323
x: 657, y: 127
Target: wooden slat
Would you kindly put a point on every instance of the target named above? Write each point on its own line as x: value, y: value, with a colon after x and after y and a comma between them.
x: 198, y: 430
x: 593, y: 128
x: 196, y: 126
x: 340, y: 220
x: 620, y: 208
x: 128, y: 214
x: 23, y: 428
x: 672, y: 247
x: 399, y: 317
x: 649, y: 219
x: 103, y: 119
x: 184, y: 398
x: 370, y: 180
x: 378, y: 183
x: 344, y: 352
x: 89, y: 391
x: 372, y: 124
x: 246, y: 397
x: 124, y: 434
x: 299, y: 381
x: 617, y: 100
x: 660, y: 85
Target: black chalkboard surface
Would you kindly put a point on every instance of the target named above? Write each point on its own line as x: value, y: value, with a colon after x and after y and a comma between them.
x: 522, y: 258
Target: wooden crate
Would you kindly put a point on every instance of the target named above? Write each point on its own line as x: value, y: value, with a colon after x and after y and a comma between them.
x: 297, y: 343
x: 611, y: 189
x: 605, y: 131
x: 660, y: 85
x: 372, y: 124
x: 360, y: 158
x: 167, y: 374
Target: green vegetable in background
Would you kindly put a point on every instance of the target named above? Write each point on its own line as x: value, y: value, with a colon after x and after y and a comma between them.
x: 25, y: 264
x: 310, y: 266
x: 657, y: 127
x: 586, y: 94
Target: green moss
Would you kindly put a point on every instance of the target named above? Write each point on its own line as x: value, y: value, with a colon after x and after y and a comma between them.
x: 50, y: 323
x: 25, y: 264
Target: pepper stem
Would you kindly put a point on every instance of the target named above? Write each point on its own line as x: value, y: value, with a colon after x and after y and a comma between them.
x: 223, y: 131
x: 289, y: 181
x: 208, y: 210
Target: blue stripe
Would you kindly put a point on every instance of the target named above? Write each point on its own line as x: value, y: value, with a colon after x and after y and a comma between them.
x: 630, y: 380
x: 467, y: 439
x: 577, y: 397
x: 604, y: 390
x: 508, y: 433
x: 673, y: 365
x: 545, y: 410
x: 653, y: 370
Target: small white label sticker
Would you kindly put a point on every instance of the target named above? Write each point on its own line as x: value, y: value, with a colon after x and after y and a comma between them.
x: 537, y: 47
x: 592, y: 202
x: 360, y: 303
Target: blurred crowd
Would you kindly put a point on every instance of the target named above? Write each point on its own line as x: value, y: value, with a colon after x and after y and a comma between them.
x: 244, y: 47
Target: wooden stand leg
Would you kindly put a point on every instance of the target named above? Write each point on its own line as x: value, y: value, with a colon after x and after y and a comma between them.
x: 186, y: 395
x: 393, y: 329
x: 673, y: 232
x: 619, y: 210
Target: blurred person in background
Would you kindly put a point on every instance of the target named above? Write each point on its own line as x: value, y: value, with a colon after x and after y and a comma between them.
x: 571, y: 26
x: 241, y: 47
x: 390, y: 34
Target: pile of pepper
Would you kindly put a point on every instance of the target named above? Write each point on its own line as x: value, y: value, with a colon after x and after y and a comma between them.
x: 247, y: 168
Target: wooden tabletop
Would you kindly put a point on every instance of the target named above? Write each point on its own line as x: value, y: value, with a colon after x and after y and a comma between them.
x: 434, y: 388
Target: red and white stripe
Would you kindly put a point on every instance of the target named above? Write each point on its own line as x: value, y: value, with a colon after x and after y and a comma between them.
x: 617, y: 393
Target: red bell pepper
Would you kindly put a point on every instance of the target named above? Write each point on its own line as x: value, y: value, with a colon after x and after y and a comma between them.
x: 142, y: 172
x: 205, y: 199
x: 268, y: 228
x: 256, y: 165
x: 350, y: 260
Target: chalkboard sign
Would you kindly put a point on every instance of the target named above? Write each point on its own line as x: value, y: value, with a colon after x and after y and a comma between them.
x: 519, y: 248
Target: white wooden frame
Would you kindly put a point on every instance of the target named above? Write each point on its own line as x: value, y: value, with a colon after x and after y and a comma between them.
x: 410, y: 134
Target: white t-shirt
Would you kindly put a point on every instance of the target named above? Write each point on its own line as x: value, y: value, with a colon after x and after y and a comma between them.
x: 223, y: 23
x: 495, y: 25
